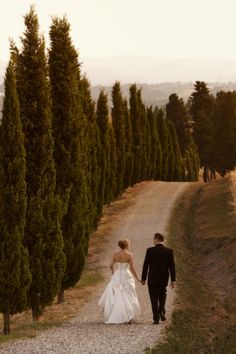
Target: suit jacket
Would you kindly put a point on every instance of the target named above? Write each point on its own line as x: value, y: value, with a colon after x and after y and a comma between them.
x: 158, y: 265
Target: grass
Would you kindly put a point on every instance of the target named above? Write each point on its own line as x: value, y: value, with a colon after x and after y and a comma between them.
x: 202, y: 231
x: 76, y: 297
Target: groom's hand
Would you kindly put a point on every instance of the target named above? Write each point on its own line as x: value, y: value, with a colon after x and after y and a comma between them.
x: 172, y: 285
x: 143, y: 282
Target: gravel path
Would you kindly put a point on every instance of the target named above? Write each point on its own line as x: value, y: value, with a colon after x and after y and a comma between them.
x: 86, y: 333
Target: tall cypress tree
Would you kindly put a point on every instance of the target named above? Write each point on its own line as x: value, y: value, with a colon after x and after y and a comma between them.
x: 135, y: 118
x: 201, y: 105
x: 14, y: 270
x: 223, y: 153
x: 102, y: 115
x: 42, y: 232
x: 170, y: 156
x: 143, y: 137
x: 128, y: 146
x: 118, y: 121
x: 195, y: 159
x: 63, y: 68
x: 176, y: 112
x: 113, y: 164
x: 159, y: 155
x: 93, y: 152
x: 189, y: 166
x: 146, y: 145
x: 191, y: 163
x: 177, y: 174
x: 164, y: 140
x: 155, y: 148
x: 69, y: 130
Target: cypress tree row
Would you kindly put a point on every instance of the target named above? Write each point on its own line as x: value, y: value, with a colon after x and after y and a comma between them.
x: 70, y: 150
x: 43, y: 236
x: 68, y: 159
x: 118, y: 121
x: 15, y: 276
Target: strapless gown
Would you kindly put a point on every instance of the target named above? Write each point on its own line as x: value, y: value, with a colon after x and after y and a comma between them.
x: 119, y: 300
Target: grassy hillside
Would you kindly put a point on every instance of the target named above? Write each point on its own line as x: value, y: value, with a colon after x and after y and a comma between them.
x: 203, y: 234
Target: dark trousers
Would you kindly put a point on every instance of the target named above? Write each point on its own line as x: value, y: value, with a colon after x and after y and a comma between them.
x: 158, y: 299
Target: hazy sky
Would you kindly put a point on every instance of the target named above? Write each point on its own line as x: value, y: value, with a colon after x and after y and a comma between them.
x: 162, y: 28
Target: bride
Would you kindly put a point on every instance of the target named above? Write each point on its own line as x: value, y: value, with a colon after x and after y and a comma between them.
x: 119, y: 300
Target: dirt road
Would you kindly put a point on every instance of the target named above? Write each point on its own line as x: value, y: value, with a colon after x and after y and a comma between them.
x: 86, y: 333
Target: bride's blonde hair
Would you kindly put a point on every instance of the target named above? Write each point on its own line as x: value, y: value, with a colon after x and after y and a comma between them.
x: 123, y: 244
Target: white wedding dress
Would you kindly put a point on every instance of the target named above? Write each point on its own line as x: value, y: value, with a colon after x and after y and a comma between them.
x: 119, y: 300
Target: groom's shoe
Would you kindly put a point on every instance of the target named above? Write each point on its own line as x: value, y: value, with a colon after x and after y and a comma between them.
x: 163, y: 318
x: 156, y: 322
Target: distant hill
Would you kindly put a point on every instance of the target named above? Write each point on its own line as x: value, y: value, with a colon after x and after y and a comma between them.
x: 158, y: 94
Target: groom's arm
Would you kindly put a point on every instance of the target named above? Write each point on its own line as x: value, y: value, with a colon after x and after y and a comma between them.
x: 145, y: 267
x: 172, y: 267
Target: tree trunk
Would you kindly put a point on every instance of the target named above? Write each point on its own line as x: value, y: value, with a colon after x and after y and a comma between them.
x: 61, y: 297
x: 6, y: 323
x: 36, y: 312
x: 213, y: 173
x: 206, y: 174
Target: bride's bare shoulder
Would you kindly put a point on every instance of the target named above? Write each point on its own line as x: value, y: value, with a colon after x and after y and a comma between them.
x: 130, y: 254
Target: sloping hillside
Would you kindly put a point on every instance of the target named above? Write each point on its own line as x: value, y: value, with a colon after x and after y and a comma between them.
x: 203, y: 234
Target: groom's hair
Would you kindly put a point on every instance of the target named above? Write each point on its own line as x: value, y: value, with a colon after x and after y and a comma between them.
x: 159, y: 237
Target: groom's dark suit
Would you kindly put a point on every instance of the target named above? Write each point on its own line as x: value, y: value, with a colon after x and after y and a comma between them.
x: 158, y: 265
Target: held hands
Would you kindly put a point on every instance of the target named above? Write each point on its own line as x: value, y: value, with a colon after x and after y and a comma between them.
x: 172, y: 285
x: 140, y: 281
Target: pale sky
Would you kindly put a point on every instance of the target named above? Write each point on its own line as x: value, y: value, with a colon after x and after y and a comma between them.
x: 157, y: 28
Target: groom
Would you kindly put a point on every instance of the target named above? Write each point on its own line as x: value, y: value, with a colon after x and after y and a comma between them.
x: 158, y: 264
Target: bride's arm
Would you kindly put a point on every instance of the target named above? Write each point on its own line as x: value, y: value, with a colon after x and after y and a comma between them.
x: 112, y: 264
x: 132, y: 268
